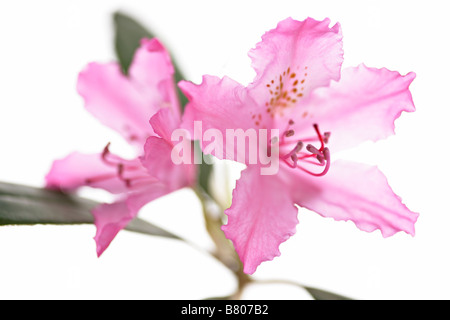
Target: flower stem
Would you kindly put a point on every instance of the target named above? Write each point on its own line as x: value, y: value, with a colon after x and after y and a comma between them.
x: 224, y: 250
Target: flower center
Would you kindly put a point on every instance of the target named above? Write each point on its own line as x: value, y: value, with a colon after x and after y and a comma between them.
x: 300, y: 158
x: 285, y: 90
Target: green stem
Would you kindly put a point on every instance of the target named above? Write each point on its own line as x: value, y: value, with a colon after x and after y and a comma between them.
x: 224, y: 250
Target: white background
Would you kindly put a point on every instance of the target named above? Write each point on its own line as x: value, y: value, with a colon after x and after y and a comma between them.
x: 43, y: 46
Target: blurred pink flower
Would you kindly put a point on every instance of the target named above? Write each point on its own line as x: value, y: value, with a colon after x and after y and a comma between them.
x: 300, y: 90
x: 126, y: 104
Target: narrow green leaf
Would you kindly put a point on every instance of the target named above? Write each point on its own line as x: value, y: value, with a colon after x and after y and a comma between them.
x: 144, y: 227
x: 24, y: 205
x: 128, y: 34
x: 204, y: 171
x: 319, y: 294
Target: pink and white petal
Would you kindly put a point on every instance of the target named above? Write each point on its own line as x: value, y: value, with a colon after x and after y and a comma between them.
x: 113, y: 99
x: 355, y: 192
x: 159, y: 163
x: 78, y: 169
x: 164, y: 122
x: 220, y: 103
x: 152, y: 73
x: 217, y: 107
x: 261, y: 217
x: 109, y: 220
x: 362, y: 106
x: 309, y: 52
x: 146, y: 194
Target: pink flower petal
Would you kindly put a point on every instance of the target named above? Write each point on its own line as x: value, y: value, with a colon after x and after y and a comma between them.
x: 127, y: 103
x: 77, y: 170
x: 308, y: 52
x: 157, y: 159
x: 356, y: 192
x: 164, y: 122
x: 219, y: 103
x: 261, y: 217
x: 112, y: 218
x: 362, y: 106
x: 222, y: 105
x: 158, y: 152
x: 152, y: 73
x: 115, y: 101
x: 147, y: 193
x: 109, y: 220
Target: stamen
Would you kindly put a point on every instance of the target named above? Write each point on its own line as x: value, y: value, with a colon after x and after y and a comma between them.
x: 105, y: 155
x: 289, y: 133
x: 326, y: 136
x: 320, y: 158
x: 106, y: 149
x: 99, y: 178
x: 326, y: 155
x: 116, y: 162
x: 294, y: 158
x: 313, y: 149
x: 316, y: 156
x: 298, y: 147
x: 120, y: 171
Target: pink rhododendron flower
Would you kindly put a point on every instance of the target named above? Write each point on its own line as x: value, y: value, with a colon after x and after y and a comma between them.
x: 126, y: 104
x: 300, y: 90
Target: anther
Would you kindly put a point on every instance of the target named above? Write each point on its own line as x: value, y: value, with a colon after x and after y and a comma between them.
x: 298, y: 147
x: 326, y: 154
x: 106, y: 151
x: 326, y: 160
x: 313, y: 149
x: 106, y: 156
x: 92, y: 180
x: 320, y: 158
x: 294, y: 158
x: 326, y: 136
x: 289, y: 133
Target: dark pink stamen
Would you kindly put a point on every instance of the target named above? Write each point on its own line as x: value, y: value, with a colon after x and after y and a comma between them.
x: 289, y: 133
x: 113, y: 161
x: 326, y: 155
x: 296, y: 157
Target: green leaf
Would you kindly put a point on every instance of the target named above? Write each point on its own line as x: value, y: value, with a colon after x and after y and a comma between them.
x: 319, y: 294
x: 204, y: 170
x: 24, y: 205
x: 128, y: 34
